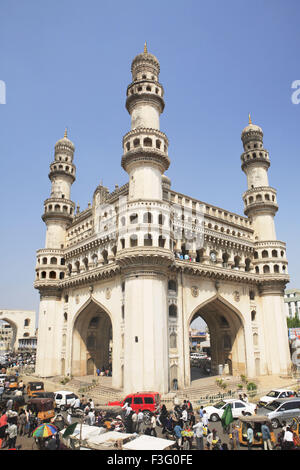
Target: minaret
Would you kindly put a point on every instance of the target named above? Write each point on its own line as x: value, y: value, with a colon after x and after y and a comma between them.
x: 270, y: 254
x: 59, y: 209
x: 260, y: 198
x: 145, y: 147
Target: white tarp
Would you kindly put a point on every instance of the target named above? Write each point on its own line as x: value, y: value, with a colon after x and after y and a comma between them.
x: 148, y: 443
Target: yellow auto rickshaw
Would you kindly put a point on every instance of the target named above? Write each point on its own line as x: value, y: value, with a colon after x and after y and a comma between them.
x: 43, y: 407
x: 12, y: 382
x: 33, y: 389
x: 256, y: 422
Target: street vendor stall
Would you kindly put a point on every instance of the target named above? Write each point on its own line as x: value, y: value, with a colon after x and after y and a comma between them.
x: 94, y: 437
x: 149, y: 443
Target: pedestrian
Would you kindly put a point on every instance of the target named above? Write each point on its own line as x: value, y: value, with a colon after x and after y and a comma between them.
x: 9, y: 404
x: 140, y: 422
x: 163, y: 418
x: 235, y: 438
x: 198, y: 429
x: 92, y: 418
x: 177, y: 433
x: 1, y: 392
x: 134, y: 418
x: 3, y: 426
x: 12, y: 432
x: 22, y: 420
x: 288, y: 439
x: 201, y: 411
x: 209, y: 439
x: 266, y: 436
x: 153, y: 425
x: 245, y: 398
x: 98, y: 371
x: 91, y: 404
x: 184, y: 418
x: 69, y: 416
x: 250, y: 437
x: 83, y: 402
x: 192, y: 418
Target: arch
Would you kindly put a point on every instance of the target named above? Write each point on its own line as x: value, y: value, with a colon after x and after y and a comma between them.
x: 172, y: 285
x: 226, y: 328
x: 147, y: 218
x: 148, y: 239
x: 266, y: 269
x: 92, y: 334
x: 265, y: 254
x: 133, y: 240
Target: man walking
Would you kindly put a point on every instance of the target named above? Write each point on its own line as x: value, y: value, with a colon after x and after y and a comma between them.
x: 140, y: 420
x: 249, y: 437
x: 198, y: 428
x: 266, y: 436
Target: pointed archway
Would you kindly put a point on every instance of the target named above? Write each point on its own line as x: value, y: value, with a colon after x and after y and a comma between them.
x: 91, y: 340
x: 226, y: 335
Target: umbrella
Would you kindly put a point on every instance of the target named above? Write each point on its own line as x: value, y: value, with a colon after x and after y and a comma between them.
x: 45, y: 430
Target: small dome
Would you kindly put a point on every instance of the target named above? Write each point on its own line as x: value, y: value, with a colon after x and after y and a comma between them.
x: 144, y: 59
x: 65, y: 142
x: 165, y: 180
x: 252, y: 128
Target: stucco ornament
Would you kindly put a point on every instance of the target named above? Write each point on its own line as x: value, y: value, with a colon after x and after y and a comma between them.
x: 236, y: 295
x: 195, y: 291
x: 108, y: 293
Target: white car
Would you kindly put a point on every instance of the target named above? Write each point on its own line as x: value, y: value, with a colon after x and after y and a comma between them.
x: 238, y: 408
x: 275, y: 394
x: 64, y: 399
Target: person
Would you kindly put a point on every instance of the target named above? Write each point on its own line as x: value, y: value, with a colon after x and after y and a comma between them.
x: 235, y: 438
x: 153, y: 425
x: 288, y: 439
x: 91, y: 404
x: 22, y: 420
x: 134, y: 419
x: 69, y: 416
x: 204, y: 419
x: 198, y: 428
x: 201, y: 411
x: 189, y: 405
x: 9, y: 404
x: 83, y: 402
x: 21, y: 385
x: 209, y: 439
x: 266, y: 436
x: 140, y: 421
x: 128, y: 421
x: 163, y: 418
x: 250, y: 437
x: 12, y: 432
x: 177, y: 433
x: 245, y: 398
x: 91, y: 415
x: 76, y: 403
x: 192, y: 418
x: 98, y: 371
x: 1, y: 391
x: 51, y: 443
x: 18, y: 393
x: 3, y: 426
x: 184, y: 418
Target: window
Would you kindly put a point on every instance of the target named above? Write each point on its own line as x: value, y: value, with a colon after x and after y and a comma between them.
x: 173, y: 311
x: 138, y: 400
x: 239, y: 405
x: 172, y: 285
x: 128, y: 400
x: 147, y: 218
x: 148, y: 400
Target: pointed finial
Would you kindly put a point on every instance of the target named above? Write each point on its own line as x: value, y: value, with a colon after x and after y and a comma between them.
x: 250, y: 122
x: 145, y: 48
x: 66, y: 132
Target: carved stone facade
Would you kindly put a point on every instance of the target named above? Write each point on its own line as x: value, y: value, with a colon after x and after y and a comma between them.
x: 121, y: 281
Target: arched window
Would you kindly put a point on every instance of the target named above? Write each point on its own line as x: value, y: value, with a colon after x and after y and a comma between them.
x: 136, y: 143
x: 52, y: 275
x: 133, y: 240
x: 253, y: 315
x: 44, y: 260
x: 148, y: 239
x: 85, y: 263
x: 259, y: 197
x: 69, y: 269
x: 77, y: 266
x: 61, y: 275
x: 26, y: 322
x: 158, y: 144
x: 161, y: 241
x: 255, y: 339
x: 266, y: 269
x: 133, y: 218
x: 147, y: 142
x: 276, y: 268
x: 257, y: 269
x: 225, y: 258
x: 264, y: 254
x: 255, y: 255
x: 172, y: 285
x: 62, y: 261
x: 53, y: 260
x: 236, y: 264
x: 247, y: 264
x: 173, y: 311
x: 43, y: 274
x: 274, y: 254
x: 122, y: 241
x: 252, y: 295
x: 161, y: 219
x: 147, y: 218
x: 105, y: 257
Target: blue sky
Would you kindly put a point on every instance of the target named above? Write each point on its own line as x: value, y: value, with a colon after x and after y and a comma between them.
x: 67, y: 63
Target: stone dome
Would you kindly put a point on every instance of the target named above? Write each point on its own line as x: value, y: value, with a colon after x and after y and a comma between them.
x: 145, y: 59
x: 65, y: 142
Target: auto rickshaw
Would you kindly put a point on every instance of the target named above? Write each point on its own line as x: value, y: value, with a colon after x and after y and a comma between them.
x: 256, y: 422
x: 43, y: 407
x: 11, y: 383
x: 18, y: 402
x: 33, y: 389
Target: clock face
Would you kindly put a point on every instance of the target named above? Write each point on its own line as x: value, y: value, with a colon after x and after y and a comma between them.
x: 213, y: 256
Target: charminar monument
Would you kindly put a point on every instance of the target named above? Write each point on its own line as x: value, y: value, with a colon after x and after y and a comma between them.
x: 121, y: 282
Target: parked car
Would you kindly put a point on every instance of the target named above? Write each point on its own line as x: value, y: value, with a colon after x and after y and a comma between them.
x: 281, y: 410
x: 275, y: 394
x: 238, y: 408
x: 146, y: 401
x: 64, y: 399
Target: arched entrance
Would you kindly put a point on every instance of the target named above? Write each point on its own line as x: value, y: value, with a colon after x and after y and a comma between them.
x: 225, y: 343
x: 8, y: 335
x: 92, y: 340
